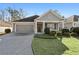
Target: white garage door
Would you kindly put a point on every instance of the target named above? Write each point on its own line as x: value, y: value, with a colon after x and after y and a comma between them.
x: 24, y: 29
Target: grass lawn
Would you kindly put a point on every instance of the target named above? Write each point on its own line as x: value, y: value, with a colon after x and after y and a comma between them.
x: 73, y: 45
x: 68, y: 46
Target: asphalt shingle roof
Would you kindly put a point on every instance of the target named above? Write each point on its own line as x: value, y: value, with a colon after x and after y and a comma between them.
x: 28, y: 19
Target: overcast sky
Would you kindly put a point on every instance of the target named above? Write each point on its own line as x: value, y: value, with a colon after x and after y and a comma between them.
x: 66, y: 9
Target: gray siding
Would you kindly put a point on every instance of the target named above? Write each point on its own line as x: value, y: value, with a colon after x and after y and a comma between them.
x: 50, y: 17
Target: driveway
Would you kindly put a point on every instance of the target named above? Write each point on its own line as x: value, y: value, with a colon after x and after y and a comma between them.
x: 16, y: 44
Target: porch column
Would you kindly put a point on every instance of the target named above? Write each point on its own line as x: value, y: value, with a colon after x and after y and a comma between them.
x: 62, y: 24
x: 58, y: 26
x: 35, y: 28
x: 43, y: 26
x: 72, y: 24
x: 15, y: 27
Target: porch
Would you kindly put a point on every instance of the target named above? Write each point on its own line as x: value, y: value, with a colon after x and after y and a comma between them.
x: 54, y: 26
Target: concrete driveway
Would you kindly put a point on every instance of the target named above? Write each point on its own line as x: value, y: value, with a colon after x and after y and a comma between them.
x: 16, y: 44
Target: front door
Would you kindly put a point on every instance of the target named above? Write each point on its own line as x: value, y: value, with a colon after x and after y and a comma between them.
x: 39, y: 26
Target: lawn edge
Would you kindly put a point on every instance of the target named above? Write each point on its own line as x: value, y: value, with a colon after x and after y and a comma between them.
x: 32, y: 47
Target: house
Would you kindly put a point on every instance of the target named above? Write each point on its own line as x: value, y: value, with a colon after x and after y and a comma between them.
x: 37, y: 23
x: 4, y: 25
x: 72, y: 21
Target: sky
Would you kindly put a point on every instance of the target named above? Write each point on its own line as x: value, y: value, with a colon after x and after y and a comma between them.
x: 65, y: 9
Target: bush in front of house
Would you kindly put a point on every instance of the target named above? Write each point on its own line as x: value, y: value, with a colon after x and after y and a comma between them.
x: 71, y: 29
x: 53, y: 33
x: 46, y: 30
x: 44, y: 36
x: 7, y: 30
x: 74, y: 34
x: 66, y: 32
x: 59, y: 34
x: 75, y: 30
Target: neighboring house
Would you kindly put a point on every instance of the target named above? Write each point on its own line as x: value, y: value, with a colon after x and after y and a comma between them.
x: 37, y: 23
x: 72, y: 21
x: 4, y: 25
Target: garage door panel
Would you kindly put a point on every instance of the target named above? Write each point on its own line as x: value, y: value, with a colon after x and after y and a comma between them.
x: 24, y: 29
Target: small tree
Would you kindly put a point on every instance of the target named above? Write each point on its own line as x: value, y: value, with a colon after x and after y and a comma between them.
x: 2, y: 15
x: 15, y: 14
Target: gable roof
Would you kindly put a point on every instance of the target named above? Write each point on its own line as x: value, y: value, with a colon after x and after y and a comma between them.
x: 53, y: 12
x: 28, y: 19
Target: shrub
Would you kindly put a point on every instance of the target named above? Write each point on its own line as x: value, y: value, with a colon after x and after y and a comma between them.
x: 74, y: 34
x: 46, y: 30
x: 71, y: 29
x: 7, y: 30
x: 53, y: 33
x: 75, y: 30
x: 44, y: 36
x: 66, y: 32
x: 59, y: 34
